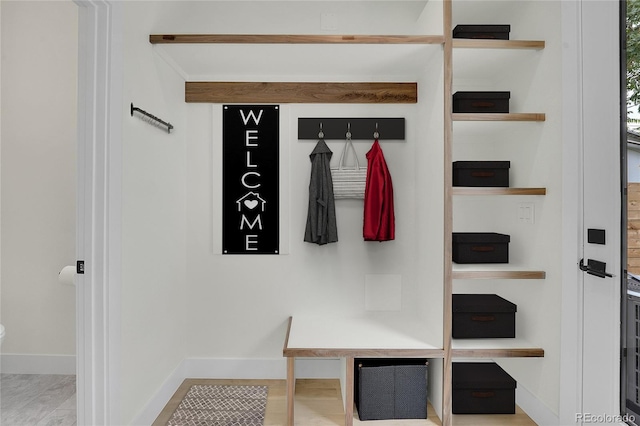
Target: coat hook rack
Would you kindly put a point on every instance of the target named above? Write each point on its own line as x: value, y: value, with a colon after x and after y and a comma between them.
x: 151, y: 119
x: 360, y: 128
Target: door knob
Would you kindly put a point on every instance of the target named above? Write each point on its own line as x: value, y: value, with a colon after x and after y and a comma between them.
x: 595, y: 267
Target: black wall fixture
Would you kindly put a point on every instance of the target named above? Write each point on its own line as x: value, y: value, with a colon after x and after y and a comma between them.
x: 361, y: 128
x: 151, y: 119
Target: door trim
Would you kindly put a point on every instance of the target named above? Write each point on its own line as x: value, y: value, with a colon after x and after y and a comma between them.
x: 572, y: 279
x: 100, y: 115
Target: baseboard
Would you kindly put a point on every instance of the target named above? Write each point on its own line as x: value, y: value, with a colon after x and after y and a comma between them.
x: 37, y: 364
x: 155, y: 405
x: 539, y: 413
x: 267, y: 368
x: 234, y: 368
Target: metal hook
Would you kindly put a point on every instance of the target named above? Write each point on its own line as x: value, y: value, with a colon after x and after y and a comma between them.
x: 376, y: 135
x: 349, y: 131
x: 321, y: 133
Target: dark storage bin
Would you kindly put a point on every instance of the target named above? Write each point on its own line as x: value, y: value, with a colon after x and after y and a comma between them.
x: 482, y: 388
x: 481, y: 102
x: 497, y: 32
x: 391, y: 388
x: 480, y: 247
x: 481, y: 173
x: 483, y: 316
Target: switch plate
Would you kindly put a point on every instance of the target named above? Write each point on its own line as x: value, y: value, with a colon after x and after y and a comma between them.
x: 527, y: 213
x: 328, y: 22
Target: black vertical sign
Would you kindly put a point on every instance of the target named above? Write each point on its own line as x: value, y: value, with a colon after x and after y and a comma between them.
x: 250, y: 179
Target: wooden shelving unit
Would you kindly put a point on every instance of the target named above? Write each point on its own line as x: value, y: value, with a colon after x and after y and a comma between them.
x: 297, y: 332
x: 491, y: 348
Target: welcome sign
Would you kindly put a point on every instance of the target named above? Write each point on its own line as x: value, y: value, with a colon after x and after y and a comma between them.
x: 250, y: 179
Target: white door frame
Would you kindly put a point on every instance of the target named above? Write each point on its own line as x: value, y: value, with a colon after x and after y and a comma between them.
x: 100, y: 112
x: 571, y: 357
x: 577, y: 46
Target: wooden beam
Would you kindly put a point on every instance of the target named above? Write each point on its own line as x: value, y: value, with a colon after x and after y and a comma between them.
x: 309, y: 93
x: 349, y: 392
x: 293, y: 39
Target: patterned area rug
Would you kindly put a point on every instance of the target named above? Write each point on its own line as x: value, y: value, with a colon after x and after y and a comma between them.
x: 221, y: 405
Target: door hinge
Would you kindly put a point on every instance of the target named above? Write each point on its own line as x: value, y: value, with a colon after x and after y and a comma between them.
x: 80, y: 267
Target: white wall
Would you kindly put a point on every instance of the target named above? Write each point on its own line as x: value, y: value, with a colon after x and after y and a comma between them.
x: 154, y: 292
x: 39, y: 72
x: 535, y: 151
x: 240, y: 304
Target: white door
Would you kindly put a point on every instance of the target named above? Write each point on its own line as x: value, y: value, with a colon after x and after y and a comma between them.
x: 601, y: 191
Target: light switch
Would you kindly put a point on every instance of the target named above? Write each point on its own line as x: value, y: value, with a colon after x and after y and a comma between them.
x: 526, y: 213
x: 329, y: 22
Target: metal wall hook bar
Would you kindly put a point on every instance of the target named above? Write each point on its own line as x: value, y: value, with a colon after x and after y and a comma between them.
x: 151, y: 119
x: 360, y: 128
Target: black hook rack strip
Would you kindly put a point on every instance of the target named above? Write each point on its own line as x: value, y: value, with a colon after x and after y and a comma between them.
x: 152, y: 119
x: 360, y: 128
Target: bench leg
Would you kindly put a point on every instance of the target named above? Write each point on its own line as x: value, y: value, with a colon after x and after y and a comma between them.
x: 348, y: 405
x: 291, y: 388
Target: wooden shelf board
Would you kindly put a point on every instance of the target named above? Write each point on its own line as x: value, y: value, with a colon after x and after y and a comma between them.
x: 293, y: 39
x: 464, y: 190
x: 362, y: 353
x: 499, y: 117
x: 498, y: 275
x: 459, y: 43
x: 494, y: 348
x: 294, y: 92
x: 357, y: 337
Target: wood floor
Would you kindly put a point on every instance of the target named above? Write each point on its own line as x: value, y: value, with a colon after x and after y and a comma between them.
x: 319, y: 403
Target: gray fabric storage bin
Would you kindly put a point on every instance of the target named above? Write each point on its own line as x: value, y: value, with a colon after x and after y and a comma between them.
x: 391, y: 391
